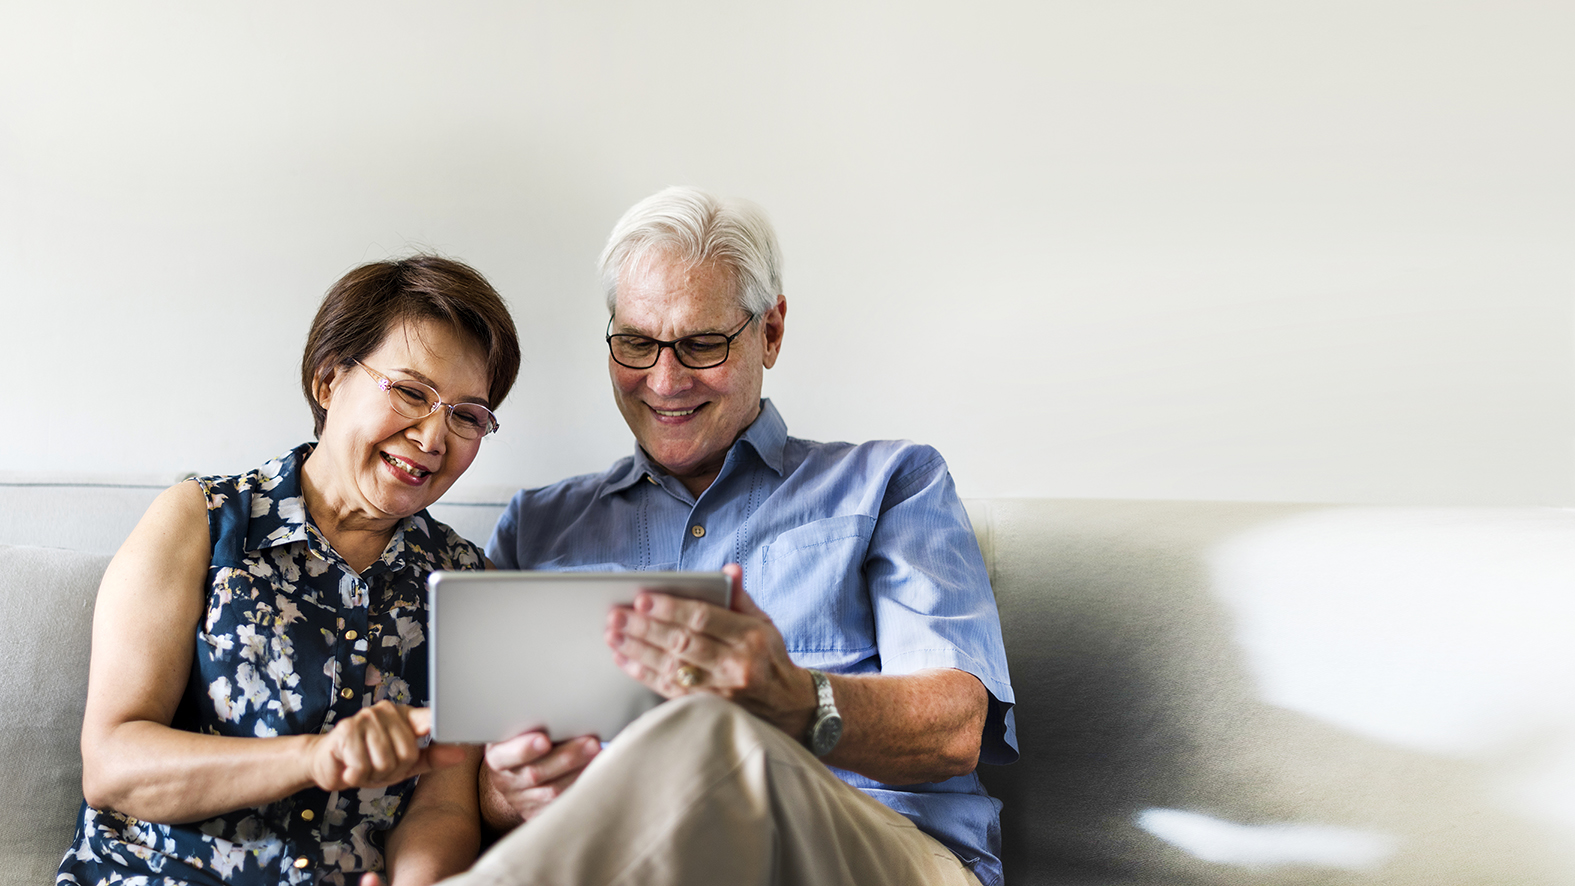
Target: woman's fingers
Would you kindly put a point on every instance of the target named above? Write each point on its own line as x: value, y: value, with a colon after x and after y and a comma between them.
x: 441, y: 756
x: 380, y: 745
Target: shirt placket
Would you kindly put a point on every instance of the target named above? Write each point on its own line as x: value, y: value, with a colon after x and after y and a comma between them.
x: 350, y: 693
x: 713, y: 521
x: 350, y: 650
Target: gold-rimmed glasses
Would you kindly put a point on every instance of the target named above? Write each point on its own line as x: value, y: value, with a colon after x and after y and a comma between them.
x: 412, y: 399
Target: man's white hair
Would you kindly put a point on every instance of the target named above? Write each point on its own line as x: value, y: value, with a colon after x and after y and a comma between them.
x: 694, y: 226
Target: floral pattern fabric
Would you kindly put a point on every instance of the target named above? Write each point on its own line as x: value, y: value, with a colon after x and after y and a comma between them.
x: 293, y: 640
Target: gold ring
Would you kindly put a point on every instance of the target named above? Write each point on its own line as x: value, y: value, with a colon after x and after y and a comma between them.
x: 687, y: 676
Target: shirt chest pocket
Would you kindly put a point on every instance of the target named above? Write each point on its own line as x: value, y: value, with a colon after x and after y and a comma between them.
x: 812, y: 584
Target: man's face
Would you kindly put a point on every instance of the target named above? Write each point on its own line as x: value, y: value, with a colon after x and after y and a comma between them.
x: 684, y: 418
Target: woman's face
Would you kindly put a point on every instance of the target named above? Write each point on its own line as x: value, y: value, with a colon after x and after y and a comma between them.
x: 382, y: 464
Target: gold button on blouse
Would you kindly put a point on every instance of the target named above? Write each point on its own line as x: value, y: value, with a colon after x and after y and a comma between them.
x: 350, y: 635
x: 697, y: 530
x: 347, y: 692
x: 308, y: 814
x: 301, y: 862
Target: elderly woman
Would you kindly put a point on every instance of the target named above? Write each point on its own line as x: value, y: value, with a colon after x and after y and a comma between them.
x: 258, y: 644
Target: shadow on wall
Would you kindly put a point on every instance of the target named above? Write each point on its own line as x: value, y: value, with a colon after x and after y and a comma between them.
x: 1151, y: 755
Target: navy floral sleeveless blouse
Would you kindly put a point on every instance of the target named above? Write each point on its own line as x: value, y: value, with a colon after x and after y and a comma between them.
x: 293, y: 641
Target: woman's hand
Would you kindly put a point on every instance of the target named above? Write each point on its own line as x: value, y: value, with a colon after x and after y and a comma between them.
x: 378, y: 746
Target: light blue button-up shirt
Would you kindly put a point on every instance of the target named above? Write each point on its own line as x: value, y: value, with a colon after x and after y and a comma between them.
x: 861, y: 554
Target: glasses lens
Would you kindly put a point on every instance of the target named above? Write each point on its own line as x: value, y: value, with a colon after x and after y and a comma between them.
x: 471, y: 421
x: 635, y: 351
x: 412, y: 399
x: 702, y: 351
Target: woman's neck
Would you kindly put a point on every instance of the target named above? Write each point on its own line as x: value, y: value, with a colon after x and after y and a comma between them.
x: 355, y: 535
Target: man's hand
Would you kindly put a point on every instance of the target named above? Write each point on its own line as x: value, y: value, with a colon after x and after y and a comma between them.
x: 678, y: 646
x: 525, y: 773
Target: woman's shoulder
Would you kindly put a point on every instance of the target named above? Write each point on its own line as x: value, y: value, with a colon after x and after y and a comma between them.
x: 178, y: 509
x: 280, y: 471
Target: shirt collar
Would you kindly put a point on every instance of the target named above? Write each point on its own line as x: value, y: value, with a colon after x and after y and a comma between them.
x: 278, y: 512
x: 767, y: 435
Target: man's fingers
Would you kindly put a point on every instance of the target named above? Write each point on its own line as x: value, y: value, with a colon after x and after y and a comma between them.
x: 697, y: 616
x: 530, y: 789
x: 656, y: 615
x: 742, y: 603
x: 518, y: 751
x: 565, y: 758
x: 553, y: 788
x: 652, y: 643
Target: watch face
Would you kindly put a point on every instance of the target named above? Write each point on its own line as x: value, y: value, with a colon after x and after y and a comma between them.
x: 827, y: 731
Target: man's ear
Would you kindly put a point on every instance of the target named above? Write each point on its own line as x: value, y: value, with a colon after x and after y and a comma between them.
x: 774, y: 325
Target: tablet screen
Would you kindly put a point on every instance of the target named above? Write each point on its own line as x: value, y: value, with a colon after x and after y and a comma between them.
x: 511, y: 651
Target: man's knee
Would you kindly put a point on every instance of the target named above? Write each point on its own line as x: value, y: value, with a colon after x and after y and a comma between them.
x: 706, y: 719
x: 702, y: 711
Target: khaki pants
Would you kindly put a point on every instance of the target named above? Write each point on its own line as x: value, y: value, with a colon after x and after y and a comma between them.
x: 701, y: 792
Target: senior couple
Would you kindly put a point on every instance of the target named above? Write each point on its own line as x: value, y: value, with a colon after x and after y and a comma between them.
x: 259, y: 669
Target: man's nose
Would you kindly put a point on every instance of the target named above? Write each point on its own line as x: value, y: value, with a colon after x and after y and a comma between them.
x: 668, y: 376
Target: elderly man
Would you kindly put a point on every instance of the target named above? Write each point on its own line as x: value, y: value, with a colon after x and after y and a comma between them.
x: 860, y: 661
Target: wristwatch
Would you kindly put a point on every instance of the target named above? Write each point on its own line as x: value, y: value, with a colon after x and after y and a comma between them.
x: 826, y: 728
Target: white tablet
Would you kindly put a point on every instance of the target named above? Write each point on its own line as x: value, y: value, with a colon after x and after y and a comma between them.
x: 511, y: 652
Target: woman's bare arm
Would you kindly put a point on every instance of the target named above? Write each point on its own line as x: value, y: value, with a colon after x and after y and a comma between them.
x: 144, y: 634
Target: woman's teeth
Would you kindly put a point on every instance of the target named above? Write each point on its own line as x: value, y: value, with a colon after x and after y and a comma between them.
x: 674, y: 413
x: 405, y: 466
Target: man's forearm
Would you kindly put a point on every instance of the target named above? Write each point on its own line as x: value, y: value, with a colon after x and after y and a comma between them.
x: 919, y: 727
x: 439, y: 834
x: 497, y: 816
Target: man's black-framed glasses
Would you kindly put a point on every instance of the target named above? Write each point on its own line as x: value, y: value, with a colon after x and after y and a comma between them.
x: 694, y: 351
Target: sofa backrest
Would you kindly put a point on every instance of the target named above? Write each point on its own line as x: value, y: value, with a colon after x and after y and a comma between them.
x: 46, y: 610
x: 1237, y: 693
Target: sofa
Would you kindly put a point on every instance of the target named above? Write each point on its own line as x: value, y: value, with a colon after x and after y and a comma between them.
x: 1207, y: 692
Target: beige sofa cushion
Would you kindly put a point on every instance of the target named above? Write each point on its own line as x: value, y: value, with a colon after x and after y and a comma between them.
x: 43, y: 687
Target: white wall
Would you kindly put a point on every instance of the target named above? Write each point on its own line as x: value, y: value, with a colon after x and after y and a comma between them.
x: 1217, y: 249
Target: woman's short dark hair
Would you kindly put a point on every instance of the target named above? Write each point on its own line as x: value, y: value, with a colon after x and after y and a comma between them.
x: 366, y: 304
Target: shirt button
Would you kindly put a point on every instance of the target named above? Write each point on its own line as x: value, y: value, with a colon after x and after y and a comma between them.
x: 301, y: 862
x: 350, y: 635
x: 308, y: 814
x: 697, y: 530
x: 347, y: 692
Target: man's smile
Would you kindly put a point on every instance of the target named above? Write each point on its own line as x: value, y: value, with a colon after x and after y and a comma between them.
x: 676, y: 413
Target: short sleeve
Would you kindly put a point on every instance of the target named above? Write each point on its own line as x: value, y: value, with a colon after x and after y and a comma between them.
x: 933, y: 606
